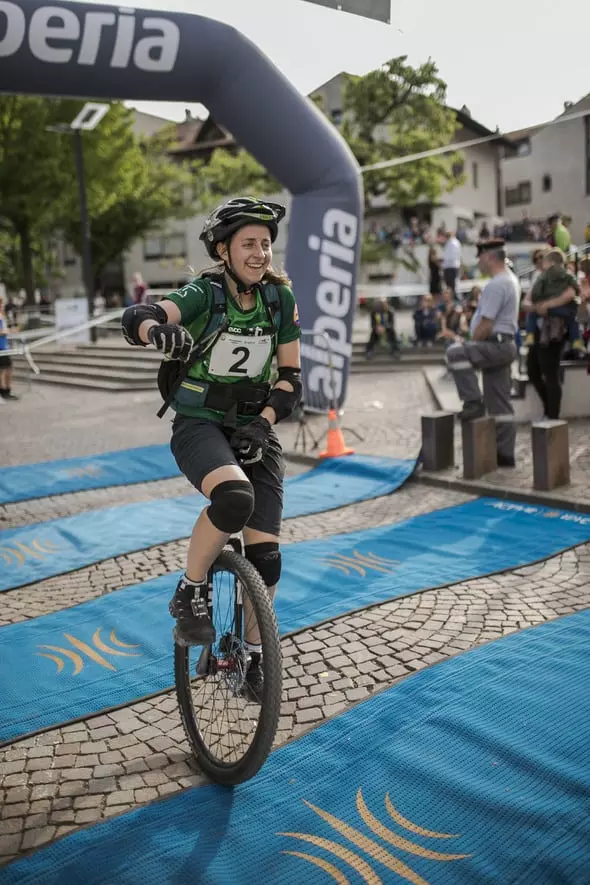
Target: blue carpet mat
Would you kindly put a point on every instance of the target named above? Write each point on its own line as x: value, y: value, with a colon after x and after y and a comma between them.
x: 126, y: 467
x: 118, y: 648
x: 52, y: 548
x: 475, y: 770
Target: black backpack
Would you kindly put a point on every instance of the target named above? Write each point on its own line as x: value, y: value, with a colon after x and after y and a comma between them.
x: 172, y: 373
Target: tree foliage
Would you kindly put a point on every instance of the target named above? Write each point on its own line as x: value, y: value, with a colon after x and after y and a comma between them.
x: 228, y: 174
x: 132, y: 187
x: 388, y: 113
x: 395, y: 111
x: 33, y: 176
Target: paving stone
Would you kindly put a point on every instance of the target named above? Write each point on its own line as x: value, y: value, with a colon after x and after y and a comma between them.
x: 108, y: 770
x: 88, y: 815
x: 36, y: 838
x: 67, y: 749
x: 39, y: 806
x: 19, y: 794
x: 148, y: 794
x: 102, y: 785
x: 10, y: 844
x: 67, y: 816
x: 309, y: 715
x: 10, y: 826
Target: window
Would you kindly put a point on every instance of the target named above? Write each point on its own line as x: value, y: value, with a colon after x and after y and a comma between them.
x: 519, y: 194
x: 523, y: 147
x: 69, y: 254
x: 475, y: 174
x: 172, y: 246
x: 547, y: 183
x: 587, y: 153
x: 458, y: 168
x: 336, y: 116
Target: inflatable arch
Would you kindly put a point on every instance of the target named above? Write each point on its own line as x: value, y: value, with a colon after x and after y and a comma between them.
x: 86, y: 50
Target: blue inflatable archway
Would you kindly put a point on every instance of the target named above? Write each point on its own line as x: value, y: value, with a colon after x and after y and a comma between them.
x: 83, y: 50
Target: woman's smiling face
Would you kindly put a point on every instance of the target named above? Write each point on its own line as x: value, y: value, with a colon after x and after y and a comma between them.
x: 250, y: 253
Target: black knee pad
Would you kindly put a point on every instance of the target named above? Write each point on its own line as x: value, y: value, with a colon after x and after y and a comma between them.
x: 266, y: 557
x: 232, y: 505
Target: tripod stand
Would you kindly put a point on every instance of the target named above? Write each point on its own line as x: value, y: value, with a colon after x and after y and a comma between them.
x: 304, y: 434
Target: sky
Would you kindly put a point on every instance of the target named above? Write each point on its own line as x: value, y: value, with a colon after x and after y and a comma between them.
x: 513, y: 63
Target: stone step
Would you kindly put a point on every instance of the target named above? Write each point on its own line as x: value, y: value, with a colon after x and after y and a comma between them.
x: 71, y: 361
x: 98, y: 353
x: 86, y: 383
x: 112, y: 373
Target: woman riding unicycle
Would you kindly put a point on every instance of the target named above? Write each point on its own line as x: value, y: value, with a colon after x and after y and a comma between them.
x: 219, y: 335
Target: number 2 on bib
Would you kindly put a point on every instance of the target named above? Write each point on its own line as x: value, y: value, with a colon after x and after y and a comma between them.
x: 236, y: 356
x: 238, y: 367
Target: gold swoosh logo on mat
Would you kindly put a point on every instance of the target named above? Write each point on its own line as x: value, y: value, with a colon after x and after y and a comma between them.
x: 17, y: 553
x: 359, y: 563
x: 92, y: 654
x: 375, y: 850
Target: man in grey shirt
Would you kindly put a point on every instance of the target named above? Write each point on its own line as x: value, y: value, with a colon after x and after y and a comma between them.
x: 491, y: 349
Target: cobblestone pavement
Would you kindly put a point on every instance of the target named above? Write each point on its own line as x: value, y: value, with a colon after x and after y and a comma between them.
x: 84, y: 772
x: 77, y: 424
x: 63, y: 591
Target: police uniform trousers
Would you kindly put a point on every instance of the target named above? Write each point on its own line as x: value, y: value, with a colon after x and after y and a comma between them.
x: 494, y: 359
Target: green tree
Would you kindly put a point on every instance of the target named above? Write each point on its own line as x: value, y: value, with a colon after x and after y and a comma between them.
x: 132, y: 188
x: 33, y: 177
x: 228, y: 174
x: 44, y: 259
x: 394, y: 111
x: 388, y: 113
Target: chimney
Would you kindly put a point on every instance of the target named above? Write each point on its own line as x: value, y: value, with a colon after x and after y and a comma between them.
x: 187, y: 115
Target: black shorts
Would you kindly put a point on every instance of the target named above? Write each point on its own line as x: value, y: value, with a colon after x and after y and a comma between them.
x: 200, y: 446
x: 5, y: 361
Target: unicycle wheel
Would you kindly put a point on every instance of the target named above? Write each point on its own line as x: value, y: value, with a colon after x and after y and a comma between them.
x: 230, y: 732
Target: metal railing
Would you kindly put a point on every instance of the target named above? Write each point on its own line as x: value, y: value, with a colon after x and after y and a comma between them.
x: 39, y: 338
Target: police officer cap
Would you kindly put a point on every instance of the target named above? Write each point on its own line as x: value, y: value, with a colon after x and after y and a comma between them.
x: 490, y: 245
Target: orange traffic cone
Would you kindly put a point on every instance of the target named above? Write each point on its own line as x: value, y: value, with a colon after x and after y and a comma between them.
x: 335, y: 445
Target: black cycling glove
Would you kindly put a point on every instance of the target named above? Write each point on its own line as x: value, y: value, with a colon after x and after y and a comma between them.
x: 172, y: 340
x: 250, y: 442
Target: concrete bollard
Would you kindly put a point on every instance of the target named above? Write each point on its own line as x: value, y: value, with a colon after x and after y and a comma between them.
x: 479, y: 447
x: 551, y: 455
x: 438, y: 440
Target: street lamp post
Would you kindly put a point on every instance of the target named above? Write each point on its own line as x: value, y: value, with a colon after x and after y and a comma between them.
x: 88, y: 118
x: 87, y: 274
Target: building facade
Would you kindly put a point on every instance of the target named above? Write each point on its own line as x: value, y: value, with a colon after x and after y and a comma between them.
x: 550, y: 171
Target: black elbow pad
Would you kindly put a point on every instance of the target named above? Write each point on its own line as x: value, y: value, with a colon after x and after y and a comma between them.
x: 284, y: 402
x: 135, y: 315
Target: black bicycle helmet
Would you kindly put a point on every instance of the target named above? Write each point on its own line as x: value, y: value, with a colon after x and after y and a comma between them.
x: 228, y: 218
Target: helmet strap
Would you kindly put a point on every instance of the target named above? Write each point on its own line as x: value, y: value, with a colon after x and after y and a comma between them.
x: 242, y: 286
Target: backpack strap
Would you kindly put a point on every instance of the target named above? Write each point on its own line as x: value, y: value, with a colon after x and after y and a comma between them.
x: 272, y: 302
x: 218, y: 313
x: 216, y: 325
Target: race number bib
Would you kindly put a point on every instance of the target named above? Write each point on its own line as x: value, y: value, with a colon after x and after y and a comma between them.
x: 240, y: 356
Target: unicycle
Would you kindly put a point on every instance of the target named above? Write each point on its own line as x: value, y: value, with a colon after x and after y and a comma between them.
x: 229, y: 731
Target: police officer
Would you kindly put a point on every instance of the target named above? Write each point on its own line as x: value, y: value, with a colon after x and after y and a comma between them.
x: 491, y: 349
